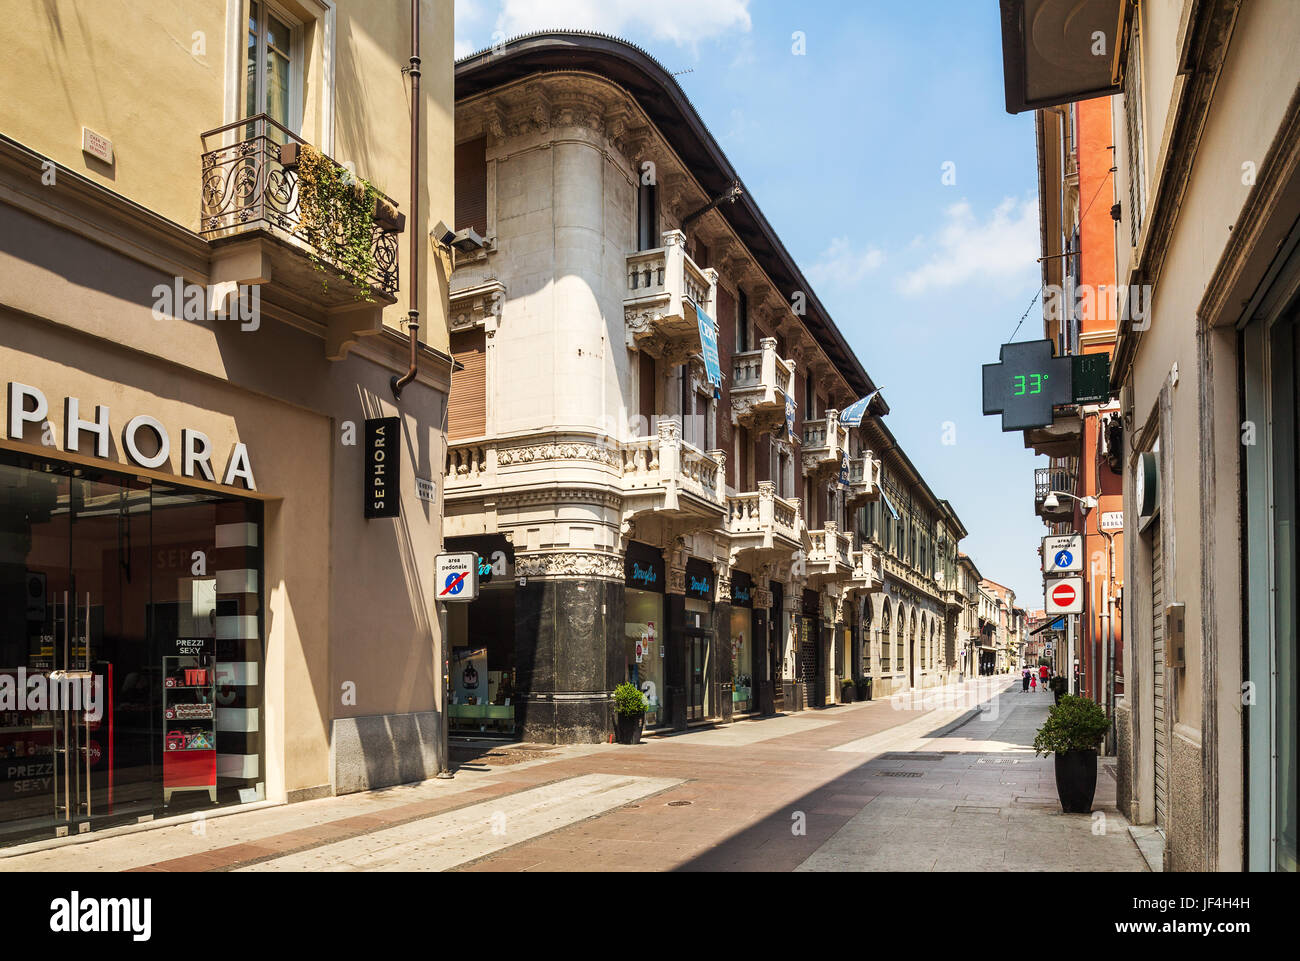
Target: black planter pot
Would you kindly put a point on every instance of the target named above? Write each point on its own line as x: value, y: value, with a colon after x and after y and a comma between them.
x: 627, y: 728
x: 846, y: 693
x: 1076, y: 780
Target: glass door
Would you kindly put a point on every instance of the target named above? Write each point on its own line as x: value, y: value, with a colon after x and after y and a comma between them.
x: 72, y: 553
x: 35, y: 604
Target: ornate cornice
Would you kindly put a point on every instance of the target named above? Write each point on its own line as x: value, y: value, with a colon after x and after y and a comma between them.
x: 560, y: 495
x: 570, y: 564
x: 560, y: 450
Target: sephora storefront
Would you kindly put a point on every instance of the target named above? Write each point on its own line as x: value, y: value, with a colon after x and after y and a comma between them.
x: 130, y: 646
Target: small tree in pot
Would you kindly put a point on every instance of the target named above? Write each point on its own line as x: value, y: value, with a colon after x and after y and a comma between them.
x: 847, y: 690
x: 629, y: 714
x: 1074, y: 730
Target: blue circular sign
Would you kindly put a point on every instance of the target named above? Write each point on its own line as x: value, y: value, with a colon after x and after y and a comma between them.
x: 1064, y: 559
x: 455, y: 584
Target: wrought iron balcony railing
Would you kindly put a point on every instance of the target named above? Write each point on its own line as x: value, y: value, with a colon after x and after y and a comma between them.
x: 250, y: 182
x: 1048, y: 479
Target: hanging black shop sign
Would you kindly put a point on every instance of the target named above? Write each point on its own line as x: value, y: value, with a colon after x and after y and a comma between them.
x: 699, y: 580
x: 742, y: 590
x: 383, y: 480
x: 643, y: 568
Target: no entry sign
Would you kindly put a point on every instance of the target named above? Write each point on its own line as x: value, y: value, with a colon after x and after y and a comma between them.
x: 1063, y: 595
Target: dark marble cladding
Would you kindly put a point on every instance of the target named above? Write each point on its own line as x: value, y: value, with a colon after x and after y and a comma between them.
x: 722, y: 680
x: 675, y: 663
x: 568, y: 641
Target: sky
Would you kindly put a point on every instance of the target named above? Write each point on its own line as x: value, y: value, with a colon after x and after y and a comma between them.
x: 885, y: 159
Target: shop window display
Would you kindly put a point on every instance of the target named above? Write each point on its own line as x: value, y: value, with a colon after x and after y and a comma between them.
x: 643, y: 644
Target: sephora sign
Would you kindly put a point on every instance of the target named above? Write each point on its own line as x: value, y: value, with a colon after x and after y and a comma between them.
x: 144, y: 439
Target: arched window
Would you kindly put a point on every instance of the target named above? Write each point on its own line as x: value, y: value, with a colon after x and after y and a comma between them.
x: 886, y: 638
x: 866, y: 637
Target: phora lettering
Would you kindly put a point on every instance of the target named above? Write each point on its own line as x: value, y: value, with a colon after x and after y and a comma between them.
x: 699, y: 585
x: 644, y: 575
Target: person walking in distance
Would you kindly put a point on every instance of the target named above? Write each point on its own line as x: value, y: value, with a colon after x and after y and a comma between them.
x: 1033, y: 683
x: 1024, y: 681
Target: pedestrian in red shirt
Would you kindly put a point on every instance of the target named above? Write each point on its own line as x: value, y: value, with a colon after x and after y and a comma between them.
x: 1033, y: 683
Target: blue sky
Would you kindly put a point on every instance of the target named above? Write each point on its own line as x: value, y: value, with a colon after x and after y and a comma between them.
x: 844, y: 148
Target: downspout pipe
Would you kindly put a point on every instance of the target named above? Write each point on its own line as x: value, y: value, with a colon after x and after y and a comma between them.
x: 413, y: 312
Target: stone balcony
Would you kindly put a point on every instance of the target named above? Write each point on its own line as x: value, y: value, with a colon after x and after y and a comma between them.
x: 760, y: 382
x: 864, y: 479
x: 664, y: 474
x: 662, y: 286
x: 761, y: 521
x: 824, y: 444
x: 866, y: 574
x: 659, y: 474
x: 830, y: 553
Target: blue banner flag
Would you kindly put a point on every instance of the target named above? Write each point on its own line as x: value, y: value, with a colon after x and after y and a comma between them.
x: 844, y: 470
x: 884, y: 497
x: 852, y: 415
x: 709, y: 346
x: 789, y: 416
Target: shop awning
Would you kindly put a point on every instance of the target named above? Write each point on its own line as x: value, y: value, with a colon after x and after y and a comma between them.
x: 1055, y: 52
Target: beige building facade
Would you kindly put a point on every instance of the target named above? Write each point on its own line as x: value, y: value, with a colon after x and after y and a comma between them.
x: 1205, y: 130
x: 197, y: 388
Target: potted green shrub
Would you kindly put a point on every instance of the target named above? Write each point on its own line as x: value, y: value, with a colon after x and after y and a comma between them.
x: 629, y: 714
x: 847, y: 690
x: 1073, y: 731
x: 864, y: 688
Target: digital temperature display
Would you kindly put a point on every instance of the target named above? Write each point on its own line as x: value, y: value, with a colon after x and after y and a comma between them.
x: 1027, y: 383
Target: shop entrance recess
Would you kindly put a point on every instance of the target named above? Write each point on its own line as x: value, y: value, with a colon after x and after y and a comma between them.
x: 697, y: 674
x: 67, y: 760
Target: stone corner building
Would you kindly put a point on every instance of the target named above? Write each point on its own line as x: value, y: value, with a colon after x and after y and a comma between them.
x: 730, y: 548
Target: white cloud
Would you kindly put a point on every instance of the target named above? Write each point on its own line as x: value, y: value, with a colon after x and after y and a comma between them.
x: 682, y: 22
x: 841, y: 265
x: 1002, y: 247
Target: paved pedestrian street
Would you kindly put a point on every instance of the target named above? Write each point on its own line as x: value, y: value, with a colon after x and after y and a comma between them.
x: 944, y: 782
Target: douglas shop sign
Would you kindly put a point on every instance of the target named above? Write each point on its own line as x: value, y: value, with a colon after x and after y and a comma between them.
x: 145, y: 440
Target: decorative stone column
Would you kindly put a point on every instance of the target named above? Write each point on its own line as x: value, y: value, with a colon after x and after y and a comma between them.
x: 568, y: 644
x: 723, y: 679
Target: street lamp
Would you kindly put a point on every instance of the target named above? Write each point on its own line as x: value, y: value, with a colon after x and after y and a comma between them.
x: 1052, y: 501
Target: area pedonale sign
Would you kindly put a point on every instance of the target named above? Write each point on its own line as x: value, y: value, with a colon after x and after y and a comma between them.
x: 28, y: 406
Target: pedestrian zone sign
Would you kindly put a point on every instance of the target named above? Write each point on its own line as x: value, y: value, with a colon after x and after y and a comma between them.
x: 456, y: 577
x: 1063, y: 554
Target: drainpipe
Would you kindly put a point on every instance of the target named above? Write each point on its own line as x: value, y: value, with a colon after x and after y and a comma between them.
x: 413, y: 313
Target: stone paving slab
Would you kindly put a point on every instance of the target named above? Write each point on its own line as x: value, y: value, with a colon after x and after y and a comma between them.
x: 761, y: 795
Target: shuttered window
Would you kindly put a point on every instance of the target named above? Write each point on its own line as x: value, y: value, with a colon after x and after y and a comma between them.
x: 648, y: 380
x: 467, y: 408
x: 1137, y: 178
x: 471, y: 185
